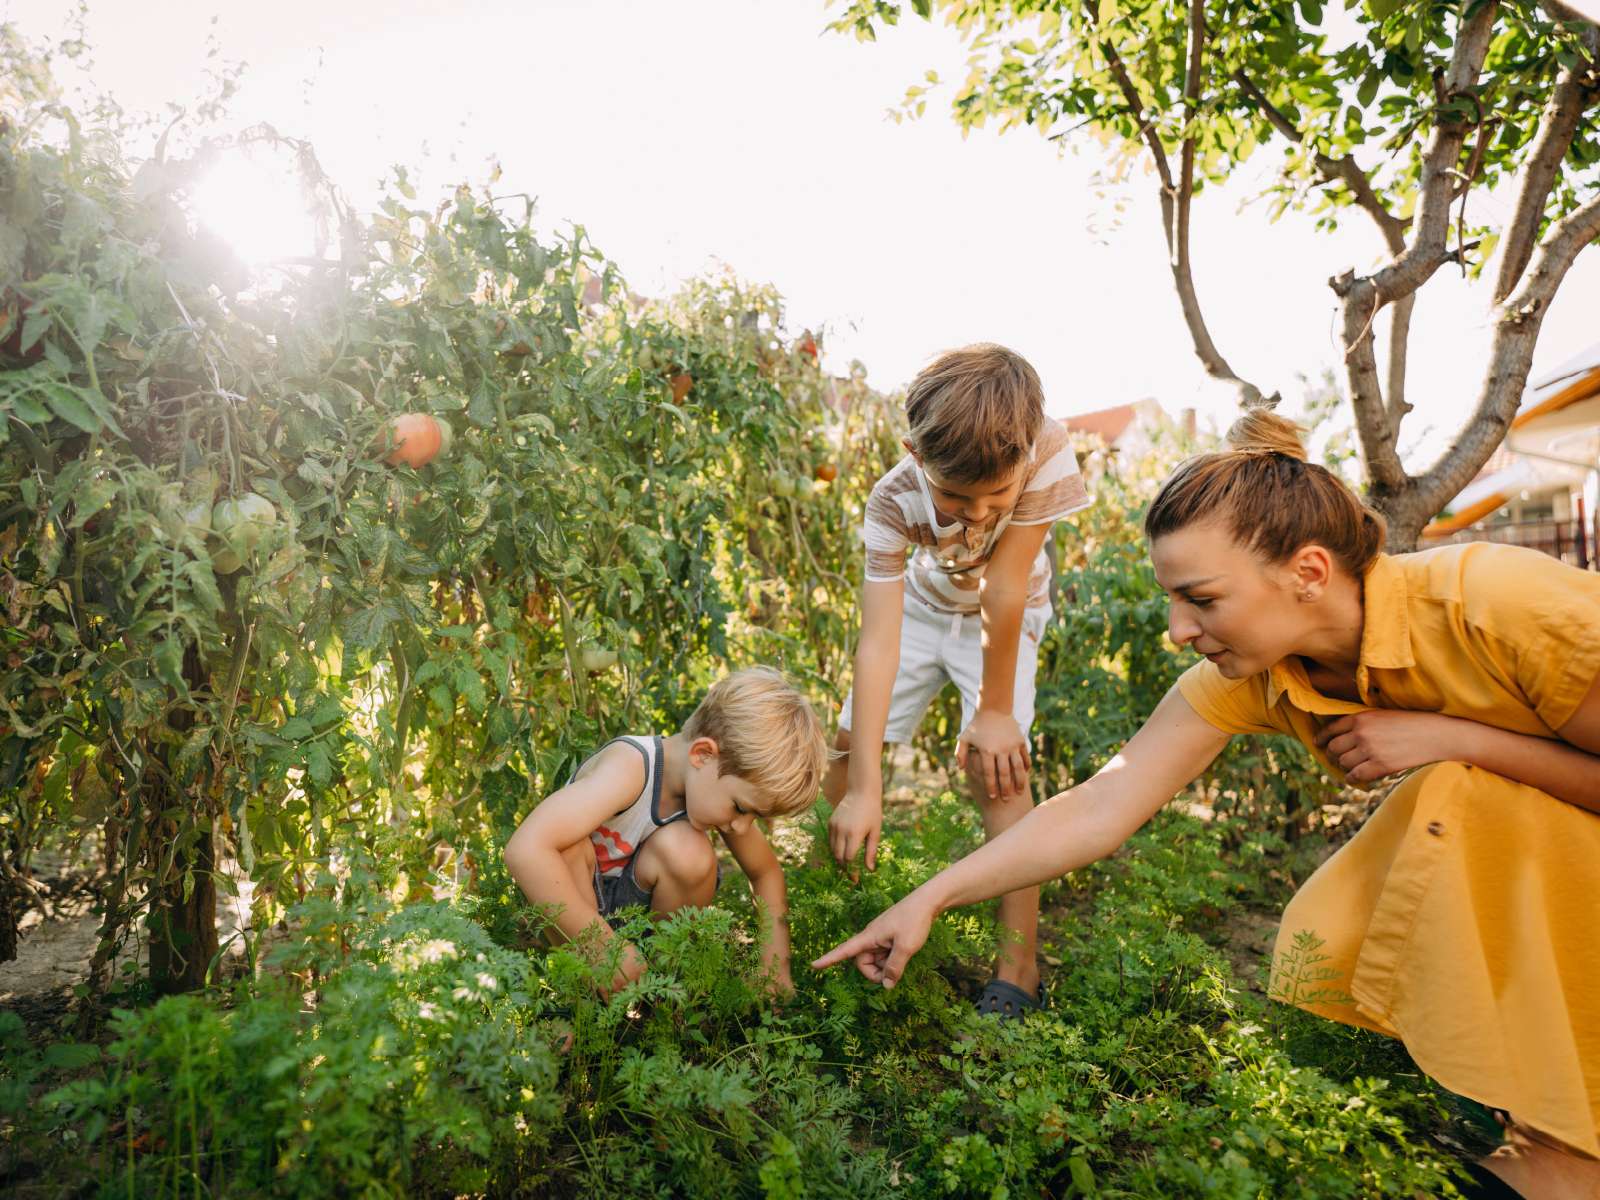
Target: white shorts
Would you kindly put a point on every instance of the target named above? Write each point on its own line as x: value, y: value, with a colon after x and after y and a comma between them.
x: 936, y: 648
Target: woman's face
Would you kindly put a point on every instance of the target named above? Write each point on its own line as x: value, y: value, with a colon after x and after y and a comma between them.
x: 1242, y: 614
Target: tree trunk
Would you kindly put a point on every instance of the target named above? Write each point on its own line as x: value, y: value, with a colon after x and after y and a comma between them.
x: 1406, y: 512
x: 183, y: 930
x: 183, y: 889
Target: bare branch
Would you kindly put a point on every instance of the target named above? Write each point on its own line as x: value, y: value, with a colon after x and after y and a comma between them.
x: 1377, y: 425
x: 1430, y: 232
x: 1394, y: 383
x: 1557, y: 127
x: 1345, y: 170
x: 1373, y: 426
x: 1175, y: 198
x: 1191, y: 110
x: 1511, y: 354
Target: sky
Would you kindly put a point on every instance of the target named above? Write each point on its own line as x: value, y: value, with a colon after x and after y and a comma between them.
x: 696, y: 133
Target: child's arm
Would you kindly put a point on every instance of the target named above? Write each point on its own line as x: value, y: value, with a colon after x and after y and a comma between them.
x: 536, y: 854
x: 858, y: 819
x: 994, y: 735
x: 765, y: 873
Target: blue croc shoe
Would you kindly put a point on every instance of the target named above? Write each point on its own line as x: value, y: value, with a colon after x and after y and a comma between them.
x: 1007, y: 1000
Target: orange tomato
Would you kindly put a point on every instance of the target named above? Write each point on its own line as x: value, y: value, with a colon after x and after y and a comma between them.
x: 681, y: 384
x: 826, y: 472
x: 808, y: 345
x: 13, y: 312
x: 416, y: 440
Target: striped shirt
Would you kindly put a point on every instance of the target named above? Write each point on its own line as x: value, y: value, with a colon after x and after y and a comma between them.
x: 947, y: 560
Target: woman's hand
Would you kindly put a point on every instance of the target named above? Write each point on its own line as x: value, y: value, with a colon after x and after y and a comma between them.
x: 1385, y: 741
x: 883, y: 948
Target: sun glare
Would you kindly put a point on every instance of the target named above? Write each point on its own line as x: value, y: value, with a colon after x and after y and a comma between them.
x: 257, y: 208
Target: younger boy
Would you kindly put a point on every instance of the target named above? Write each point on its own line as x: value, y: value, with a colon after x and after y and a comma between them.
x: 985, y: 476
x: 633, y: 826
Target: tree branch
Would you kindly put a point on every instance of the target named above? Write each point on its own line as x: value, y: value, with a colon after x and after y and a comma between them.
x: 1557, y: 127
x: 1333, y: 170
x: 1394, y: 383
x: 1175, y: 197
x: 1362, y: 297
x: 1516, y: 333
x: 1345, y: 170
x: 1430, y: 232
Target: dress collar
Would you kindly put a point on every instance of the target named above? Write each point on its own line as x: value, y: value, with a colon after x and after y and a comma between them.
x: 1385, y: 643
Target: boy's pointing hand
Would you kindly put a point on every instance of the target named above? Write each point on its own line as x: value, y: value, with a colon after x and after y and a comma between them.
x: 883, y: 948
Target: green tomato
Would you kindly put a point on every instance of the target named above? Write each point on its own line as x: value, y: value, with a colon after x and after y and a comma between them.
x: 178, y: 517
x: 595, y: 659
x: 240, y: 523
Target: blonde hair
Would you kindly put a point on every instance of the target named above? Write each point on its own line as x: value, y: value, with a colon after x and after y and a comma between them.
x: 1272, y: 500
x: 766, y: 733
x: 975, y: 412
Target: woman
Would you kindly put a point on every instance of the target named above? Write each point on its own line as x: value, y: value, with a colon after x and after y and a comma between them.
x: 1461, y: 918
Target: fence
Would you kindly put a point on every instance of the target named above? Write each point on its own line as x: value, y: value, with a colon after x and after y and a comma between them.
x: 1575, y: 541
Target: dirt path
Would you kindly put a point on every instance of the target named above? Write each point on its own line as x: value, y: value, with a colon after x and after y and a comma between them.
x: 58, y: 941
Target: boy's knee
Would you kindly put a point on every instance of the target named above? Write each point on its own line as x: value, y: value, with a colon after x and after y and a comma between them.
x: 682, y: 852
x: 978, y: 791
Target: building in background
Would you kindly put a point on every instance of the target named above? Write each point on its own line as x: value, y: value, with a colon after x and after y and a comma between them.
x: 1541, y: 488
x: 1130, y: 431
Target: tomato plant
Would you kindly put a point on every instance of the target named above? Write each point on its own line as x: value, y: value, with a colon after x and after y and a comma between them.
x: 238, y: 635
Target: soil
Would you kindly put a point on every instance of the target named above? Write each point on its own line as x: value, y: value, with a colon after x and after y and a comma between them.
x: 57, y: 940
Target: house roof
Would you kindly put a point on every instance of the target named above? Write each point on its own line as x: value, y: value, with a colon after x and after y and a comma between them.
x: 1573, y: 381
x: 1561, y: 400
x: 1108, y: 423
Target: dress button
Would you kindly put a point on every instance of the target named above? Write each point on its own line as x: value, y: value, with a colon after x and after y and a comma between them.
x: 1436, y: 828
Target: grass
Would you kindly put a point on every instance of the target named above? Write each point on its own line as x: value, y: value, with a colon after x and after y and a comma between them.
x: 418, y: 1051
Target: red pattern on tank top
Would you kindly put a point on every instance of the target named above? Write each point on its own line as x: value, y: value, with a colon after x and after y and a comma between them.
x: 610, y: 849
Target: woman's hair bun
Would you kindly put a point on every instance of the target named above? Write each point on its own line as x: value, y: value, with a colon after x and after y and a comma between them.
x: 1262, y: 431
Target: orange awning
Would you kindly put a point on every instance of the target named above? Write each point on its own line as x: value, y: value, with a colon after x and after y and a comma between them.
x: 1581, y: 388
x: 1472, y: 512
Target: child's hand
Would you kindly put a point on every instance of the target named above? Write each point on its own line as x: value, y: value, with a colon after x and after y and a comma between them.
x: 780, y: 984
x: 630, y: 966
x: 856, y: 822
x: 993, y: 750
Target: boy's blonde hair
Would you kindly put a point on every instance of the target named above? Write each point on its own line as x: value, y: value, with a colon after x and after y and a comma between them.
x: 975, y: 412
x: 766, y: 733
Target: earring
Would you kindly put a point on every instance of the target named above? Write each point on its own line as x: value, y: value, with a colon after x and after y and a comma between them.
x: 1305, y: 595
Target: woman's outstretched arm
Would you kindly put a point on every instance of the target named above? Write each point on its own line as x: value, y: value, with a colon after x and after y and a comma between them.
x: 1067, y: 831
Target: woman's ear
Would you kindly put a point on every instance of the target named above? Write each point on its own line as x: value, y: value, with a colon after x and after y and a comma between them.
x: 1312, y: 569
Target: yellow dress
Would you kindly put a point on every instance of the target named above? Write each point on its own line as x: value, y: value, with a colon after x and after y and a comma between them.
x: 1464, y: 917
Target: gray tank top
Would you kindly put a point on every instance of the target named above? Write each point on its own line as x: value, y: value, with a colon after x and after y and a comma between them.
x: 619, y: 838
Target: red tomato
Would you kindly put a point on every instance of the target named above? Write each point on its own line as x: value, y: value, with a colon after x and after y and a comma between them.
x: 416, y: 440
x: 681, y: 385
x: 826, y: 472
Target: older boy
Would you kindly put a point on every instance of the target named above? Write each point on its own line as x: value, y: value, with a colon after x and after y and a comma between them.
x: 633, y: 826
x: 985, y: 476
